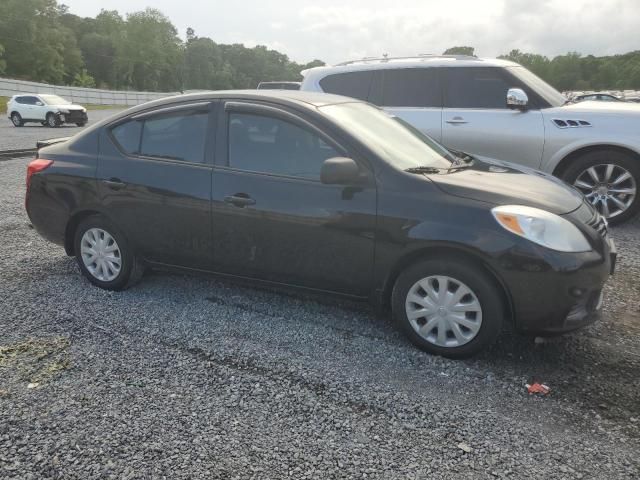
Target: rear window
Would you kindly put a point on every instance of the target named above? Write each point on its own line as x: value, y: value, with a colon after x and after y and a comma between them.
x: 174, y: 136
x: 411, y: 87
x: 351, y: 84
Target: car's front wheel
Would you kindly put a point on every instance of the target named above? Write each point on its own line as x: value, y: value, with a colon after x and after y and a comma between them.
x: 105, y: 256
x: 610, y: 180
x: 52, y: 120
x: 448, y: 307
x: 16, y: 119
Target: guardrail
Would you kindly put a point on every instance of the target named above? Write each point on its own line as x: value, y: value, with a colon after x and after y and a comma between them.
x: 95, y: 96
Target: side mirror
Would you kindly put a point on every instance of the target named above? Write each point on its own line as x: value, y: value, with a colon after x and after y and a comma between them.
x: 40, y: 104
x: 517, y: 99
x: 340, y: 171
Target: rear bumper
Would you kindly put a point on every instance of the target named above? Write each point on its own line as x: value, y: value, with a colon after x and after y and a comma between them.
x: 562, y: 293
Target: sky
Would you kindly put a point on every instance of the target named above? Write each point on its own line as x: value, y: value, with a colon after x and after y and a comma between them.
x: 334, y: 31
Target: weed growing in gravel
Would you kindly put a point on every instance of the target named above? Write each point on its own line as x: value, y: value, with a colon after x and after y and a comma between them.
x: 34, y: 360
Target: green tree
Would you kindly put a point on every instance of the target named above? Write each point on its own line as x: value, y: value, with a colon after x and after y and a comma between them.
x: 83, y: 79
x: 3, y: 64
x: 460, y: 51
x: 149, y: 53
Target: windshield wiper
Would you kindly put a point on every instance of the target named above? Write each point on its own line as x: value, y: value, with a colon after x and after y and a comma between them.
x: 425, y: 169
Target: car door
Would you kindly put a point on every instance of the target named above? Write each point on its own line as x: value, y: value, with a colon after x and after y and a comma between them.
x: 154, y: 180
x: 28, y: 107
x: 476, y: 119
x: 40, y: 109
x: 272, y: 217
x: 413, y: 94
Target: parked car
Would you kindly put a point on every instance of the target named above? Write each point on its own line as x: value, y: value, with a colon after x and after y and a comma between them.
x: 49, y: 110
x: 329, y: 194
x: 499, y: 110
x: 279, y: 86
x: 596, y: 97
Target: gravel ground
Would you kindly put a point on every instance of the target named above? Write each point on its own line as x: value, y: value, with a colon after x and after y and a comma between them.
x: 194, y: 377
x: 12, y: 138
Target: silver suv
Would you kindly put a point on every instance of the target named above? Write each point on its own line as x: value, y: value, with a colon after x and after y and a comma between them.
x: 498, y: 110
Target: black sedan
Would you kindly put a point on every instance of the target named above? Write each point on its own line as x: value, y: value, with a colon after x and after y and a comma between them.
x: 330, y: 194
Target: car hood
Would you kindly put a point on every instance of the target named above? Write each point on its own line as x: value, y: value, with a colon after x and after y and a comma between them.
x: 599, y: 108
x: 67, y: 107
x: 504, y: 183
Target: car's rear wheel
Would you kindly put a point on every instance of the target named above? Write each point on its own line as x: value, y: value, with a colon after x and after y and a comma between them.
x: 52, y: 120
x: 447, y: 307
x: 610, y: 180
x: 105, y: 256
x: 16, y: 119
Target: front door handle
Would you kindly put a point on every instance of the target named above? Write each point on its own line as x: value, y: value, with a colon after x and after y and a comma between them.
x: 457, y: 121
x: 239, y: 200
x: 114, y: 183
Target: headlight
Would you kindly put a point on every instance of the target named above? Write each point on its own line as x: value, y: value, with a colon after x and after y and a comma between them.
x: 542, y: 227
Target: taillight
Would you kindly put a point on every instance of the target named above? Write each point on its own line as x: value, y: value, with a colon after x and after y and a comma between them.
x: 36, y: 166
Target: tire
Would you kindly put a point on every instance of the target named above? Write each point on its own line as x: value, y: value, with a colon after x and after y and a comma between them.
x: 16, y: 119
x: 483, y: 294
x: 578, y: 174
x: 52, y: 121
x: 131, y: 268
x: 81, y: 124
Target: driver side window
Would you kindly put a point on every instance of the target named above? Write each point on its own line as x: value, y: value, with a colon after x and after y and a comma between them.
x: 270, y: 145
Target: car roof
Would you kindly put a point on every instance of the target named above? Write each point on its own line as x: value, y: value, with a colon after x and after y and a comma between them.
x: 285, y: 97
x: 420, y: 61
x: 293, y: 98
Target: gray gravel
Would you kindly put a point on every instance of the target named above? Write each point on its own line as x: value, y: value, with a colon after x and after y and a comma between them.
x: 12, y: 138
x: 194, y: 377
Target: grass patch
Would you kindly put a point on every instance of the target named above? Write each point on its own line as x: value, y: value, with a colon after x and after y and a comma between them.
x: 34, y: 361
x: 3, y: 104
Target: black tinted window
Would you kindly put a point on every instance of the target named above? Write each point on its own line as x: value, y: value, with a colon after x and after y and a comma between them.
x: 411, y: 87
x: 270, y: 145
x: 477, y: 87
x: 352, y: 84
x: 128, y: 136
x: 176, y: 136
x: 27, y: 100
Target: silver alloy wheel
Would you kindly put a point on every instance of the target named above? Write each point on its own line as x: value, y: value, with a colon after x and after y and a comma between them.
x: 609, y: 187
x: 15, y: 119
x: 101, y: 254
x: 51, y: 120
x: 443, y: 311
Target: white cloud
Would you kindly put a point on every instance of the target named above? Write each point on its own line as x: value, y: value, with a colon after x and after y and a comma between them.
x: 337, y: 30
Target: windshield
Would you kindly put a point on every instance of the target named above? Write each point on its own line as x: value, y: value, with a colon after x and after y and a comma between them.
x: 54, y: 100
x: 542, y: 88
x: 400, y: 146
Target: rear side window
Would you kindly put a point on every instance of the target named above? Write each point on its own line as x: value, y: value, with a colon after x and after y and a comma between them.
x: 128, y: 136
x: 351, y: 84
x: 411, y: 87
x: 269, y: 145
x: 27, y: 100
x: 477, y: 87
x: 174, y: 136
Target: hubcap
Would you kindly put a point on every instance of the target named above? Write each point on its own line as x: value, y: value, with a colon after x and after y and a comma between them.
x: 16, y: 120
x: 52, y: 121
x: 610, y: 188
x: 443, y: 311
x: 100, y: 254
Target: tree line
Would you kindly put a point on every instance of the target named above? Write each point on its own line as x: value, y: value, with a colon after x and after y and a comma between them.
x: 41, y: 40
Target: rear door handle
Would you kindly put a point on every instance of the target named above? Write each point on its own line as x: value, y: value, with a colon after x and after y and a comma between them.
x: 457, y: 121
x: 239, y: 200
x: 114, y: 183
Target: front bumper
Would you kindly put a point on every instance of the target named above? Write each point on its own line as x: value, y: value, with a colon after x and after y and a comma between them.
x: 558, y: 292
x: 74, y: 116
